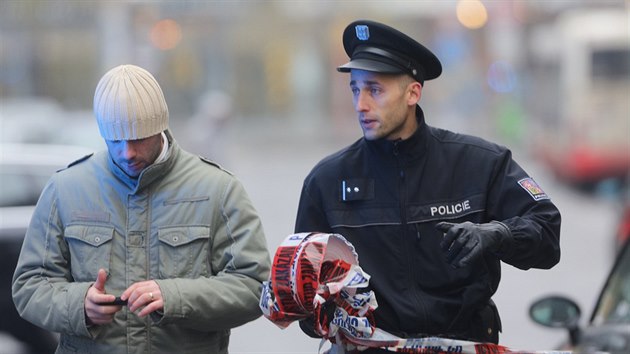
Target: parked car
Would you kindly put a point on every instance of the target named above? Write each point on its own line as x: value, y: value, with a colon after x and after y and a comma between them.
x: 24, y: 171
x: 608, y: 329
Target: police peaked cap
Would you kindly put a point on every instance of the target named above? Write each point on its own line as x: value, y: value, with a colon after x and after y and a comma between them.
x: 376, y: 47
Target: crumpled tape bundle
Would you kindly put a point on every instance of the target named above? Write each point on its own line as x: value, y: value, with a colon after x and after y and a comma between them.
x: 317, y: 275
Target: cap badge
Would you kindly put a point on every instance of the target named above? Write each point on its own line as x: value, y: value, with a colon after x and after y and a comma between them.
x: 363, y: 32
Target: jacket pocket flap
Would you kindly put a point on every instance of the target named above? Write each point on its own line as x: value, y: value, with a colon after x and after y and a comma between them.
x: 90, y: 234
x: 181, y: 235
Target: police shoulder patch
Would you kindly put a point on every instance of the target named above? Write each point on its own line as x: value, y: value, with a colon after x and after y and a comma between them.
x: 534, y: 190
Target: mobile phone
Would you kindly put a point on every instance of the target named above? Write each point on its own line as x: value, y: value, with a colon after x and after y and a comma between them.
x: 117, y: 302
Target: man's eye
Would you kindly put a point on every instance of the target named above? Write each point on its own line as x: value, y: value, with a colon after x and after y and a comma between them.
x: 355, y: 91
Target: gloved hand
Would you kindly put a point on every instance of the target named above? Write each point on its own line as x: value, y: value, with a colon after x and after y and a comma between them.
x: 465, y: 242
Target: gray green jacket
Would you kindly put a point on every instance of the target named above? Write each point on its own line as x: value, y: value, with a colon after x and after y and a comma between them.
x: 185, y: 222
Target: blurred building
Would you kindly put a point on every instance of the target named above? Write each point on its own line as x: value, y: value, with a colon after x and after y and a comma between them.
x: 277, y: 59
x: 267, y: 53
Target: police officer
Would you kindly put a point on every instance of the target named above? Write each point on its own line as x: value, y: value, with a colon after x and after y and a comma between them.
x: 431, y: 213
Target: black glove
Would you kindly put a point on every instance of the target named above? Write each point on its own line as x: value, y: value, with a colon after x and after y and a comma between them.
x: 464, y: 243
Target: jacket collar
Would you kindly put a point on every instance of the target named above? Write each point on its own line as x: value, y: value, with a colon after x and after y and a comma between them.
x: 408, y: 149
x: 151, y: 173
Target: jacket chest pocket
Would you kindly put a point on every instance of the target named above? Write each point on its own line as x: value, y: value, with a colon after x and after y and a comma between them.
x: 90, y: 249
x: 183, y: 251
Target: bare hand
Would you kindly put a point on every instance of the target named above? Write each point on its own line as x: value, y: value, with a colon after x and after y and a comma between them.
x: 145, y: 293
x: 95, y: 312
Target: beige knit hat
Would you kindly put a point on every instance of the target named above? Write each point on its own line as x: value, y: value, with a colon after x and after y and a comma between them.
x: 129, y: 104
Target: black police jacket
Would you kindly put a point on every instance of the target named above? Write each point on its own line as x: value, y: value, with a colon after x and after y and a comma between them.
x: 385, y: 197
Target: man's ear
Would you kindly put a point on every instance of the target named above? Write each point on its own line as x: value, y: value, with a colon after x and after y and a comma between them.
x: 414, y: 93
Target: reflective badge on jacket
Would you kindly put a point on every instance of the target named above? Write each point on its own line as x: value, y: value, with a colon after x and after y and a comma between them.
x: 357, y: 189
x: 533, y: 188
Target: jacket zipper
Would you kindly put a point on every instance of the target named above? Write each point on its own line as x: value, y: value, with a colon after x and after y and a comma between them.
x: 409, y: 246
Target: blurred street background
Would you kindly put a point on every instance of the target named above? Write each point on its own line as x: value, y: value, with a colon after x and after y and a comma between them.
x: 253, y: 86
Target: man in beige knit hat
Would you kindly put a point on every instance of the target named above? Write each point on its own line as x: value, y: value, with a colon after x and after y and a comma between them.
x: 143, y: 247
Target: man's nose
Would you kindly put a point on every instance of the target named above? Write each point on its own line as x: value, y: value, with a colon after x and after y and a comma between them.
x: 128, y: 149
x: 361, y: 102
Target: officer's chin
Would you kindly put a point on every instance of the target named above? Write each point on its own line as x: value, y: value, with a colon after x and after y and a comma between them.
x: 371, y: 135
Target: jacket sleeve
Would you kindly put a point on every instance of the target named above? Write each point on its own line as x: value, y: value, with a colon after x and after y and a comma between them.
x: 534, y: 221
x: 240, y: 263
x: 43, y: 290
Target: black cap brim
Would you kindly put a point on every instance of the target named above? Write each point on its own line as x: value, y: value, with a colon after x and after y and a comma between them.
x: 369, y: 65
